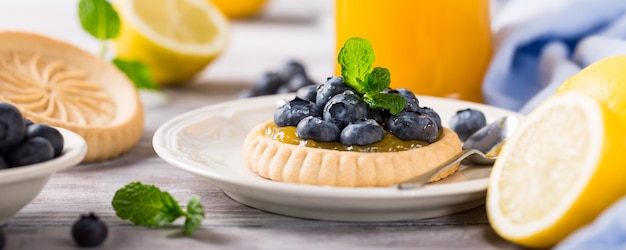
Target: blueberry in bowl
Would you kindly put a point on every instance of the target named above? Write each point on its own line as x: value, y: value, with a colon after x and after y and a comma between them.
x: 27, y: 163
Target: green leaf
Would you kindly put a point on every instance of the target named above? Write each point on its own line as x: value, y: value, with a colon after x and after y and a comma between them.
x: 99, y: 18
x: 377, y: 81
x: 146, y: 205
x: 195, y: 215
x: 356, y: 58
x: 137, y: 72
x: 389, y: 101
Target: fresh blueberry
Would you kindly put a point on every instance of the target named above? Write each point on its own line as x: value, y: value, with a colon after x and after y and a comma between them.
x: 12, y: 125
x: 268, y: 84
x: 283, y: 89
x: 465, y: 122
x: 297, y: 82
x: 363, y: 132
x: 413, y: 126
x: 33, y: 150
x: 291, y: 112
x: 2, y: 239
x: 307, y: 93
x: 291, y: 69
x: 412, y: 104
x: 432, y: 114
x: 317, y: 129
x: 332, y: 87
x: 3, y: 165
x: 378, y: 115
x: 51, y: 134
x: 345, y: 108
x: 89, y: 231
x: 28, y: 122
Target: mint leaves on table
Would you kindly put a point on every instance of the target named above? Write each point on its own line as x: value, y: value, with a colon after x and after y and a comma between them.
x: 100, y: 20
x: 356, y: 58
x: 147, y: 205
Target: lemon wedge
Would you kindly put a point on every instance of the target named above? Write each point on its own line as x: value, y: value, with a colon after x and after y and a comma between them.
x: 176, y: 39
x: 557, y: 172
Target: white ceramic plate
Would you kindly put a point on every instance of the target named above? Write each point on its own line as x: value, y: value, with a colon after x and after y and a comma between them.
x: 207, y: 142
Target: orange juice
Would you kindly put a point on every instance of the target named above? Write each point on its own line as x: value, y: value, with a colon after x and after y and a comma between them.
x: 433, y: 47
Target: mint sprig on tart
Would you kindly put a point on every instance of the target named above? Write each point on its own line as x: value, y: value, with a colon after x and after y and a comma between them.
x: 358, y: 107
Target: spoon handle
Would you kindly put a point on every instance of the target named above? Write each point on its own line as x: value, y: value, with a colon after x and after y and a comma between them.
x: 422, y: 179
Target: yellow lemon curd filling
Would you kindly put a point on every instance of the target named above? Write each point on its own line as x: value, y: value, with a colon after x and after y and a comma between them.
x: 390, y: 143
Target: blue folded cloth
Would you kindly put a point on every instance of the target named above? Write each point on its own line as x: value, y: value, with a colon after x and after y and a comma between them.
x: 607, y: 232
x: 540, y: 43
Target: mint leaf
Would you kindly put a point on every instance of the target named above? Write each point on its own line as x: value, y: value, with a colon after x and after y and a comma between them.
x: 378, y: 80
x: 356, y: 58
x: 99, y: 18
x: 145, y: 205
x: 392, y: 102
x: 195, y: 215
x: 137, y: 72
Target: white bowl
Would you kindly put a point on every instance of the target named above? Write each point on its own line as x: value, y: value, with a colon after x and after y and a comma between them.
x: 20, y: 185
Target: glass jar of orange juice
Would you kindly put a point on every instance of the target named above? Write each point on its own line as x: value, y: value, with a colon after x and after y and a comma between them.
x: 433, y: 47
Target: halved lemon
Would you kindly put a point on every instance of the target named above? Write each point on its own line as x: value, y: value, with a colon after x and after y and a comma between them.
x: 604, y: 80
x: 557, y: 172
x: 175, y: 38
x: 56, y: 83
x: 239, y: 8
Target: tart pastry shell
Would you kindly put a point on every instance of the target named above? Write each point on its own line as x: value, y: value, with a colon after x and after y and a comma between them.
x: 59, y: 84
x: 275, y: 160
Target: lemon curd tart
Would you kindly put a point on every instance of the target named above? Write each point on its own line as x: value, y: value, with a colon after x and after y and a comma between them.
x: 351, y: 131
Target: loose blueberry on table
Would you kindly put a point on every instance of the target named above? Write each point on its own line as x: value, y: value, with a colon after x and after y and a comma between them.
x: 290, y: 78
x: 2, y: 239
x: 89, y: 231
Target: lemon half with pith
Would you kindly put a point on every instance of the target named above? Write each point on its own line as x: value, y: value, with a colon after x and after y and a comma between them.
x: 176, y: 39
x: 561, y: 168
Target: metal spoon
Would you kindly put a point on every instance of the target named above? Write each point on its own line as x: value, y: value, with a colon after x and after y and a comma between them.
x: 481, y: 148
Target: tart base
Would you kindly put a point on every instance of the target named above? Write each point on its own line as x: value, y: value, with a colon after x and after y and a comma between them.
x: 283, y: 162
x: 56, y: 83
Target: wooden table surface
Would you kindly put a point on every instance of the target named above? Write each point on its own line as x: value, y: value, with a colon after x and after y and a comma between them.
x: 304, y: 34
